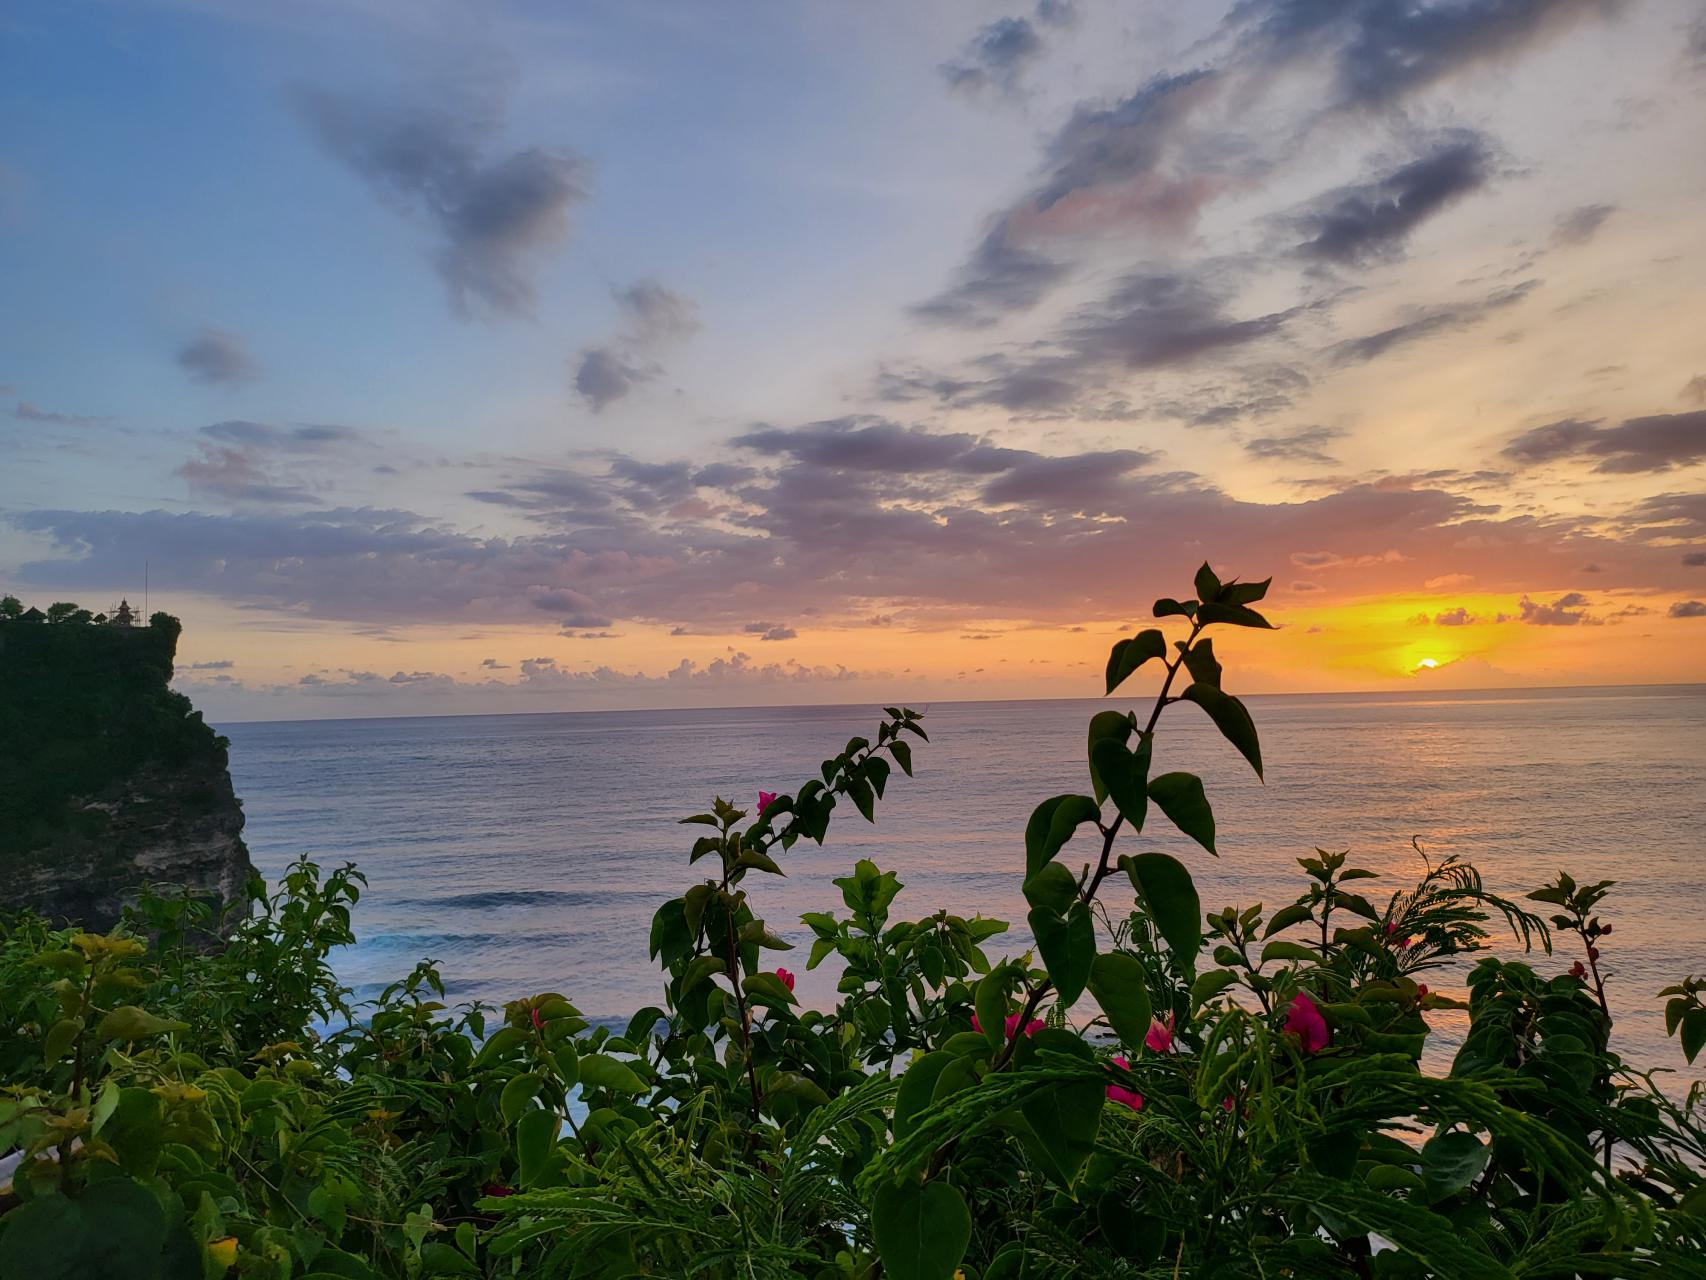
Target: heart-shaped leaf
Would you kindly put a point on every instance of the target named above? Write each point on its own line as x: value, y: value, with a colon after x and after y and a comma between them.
x: 921, y: 1230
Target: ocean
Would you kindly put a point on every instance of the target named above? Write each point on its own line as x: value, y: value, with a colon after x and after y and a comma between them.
x: 527, y: 853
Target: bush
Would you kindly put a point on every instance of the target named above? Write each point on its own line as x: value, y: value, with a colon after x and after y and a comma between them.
x: 1155, y: 1091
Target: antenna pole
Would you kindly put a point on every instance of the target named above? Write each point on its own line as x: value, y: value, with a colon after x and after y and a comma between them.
x: 145, y: 612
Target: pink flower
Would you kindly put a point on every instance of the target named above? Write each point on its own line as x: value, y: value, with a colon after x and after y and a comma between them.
x: 1578, y: 970
x: 538, y: 1022
x: 1159, y: 1038
x: 1304, y: 1021
x: 765, y: 800
x: 1120, y: 1094
x: 1421, y: 990
x: 498, y: 1190
x: 1226, y: 1104
x: 786, y: 977
x: 1031, y: 1028
x: 1391, y: 927
x: 1404, y: 944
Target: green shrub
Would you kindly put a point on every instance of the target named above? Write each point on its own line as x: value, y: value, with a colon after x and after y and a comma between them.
x: 1155, y: 1090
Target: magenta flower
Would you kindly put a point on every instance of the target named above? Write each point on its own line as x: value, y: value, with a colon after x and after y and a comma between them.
x: 1226, y: 1104
x: 765, y: 800
x: 538, y: 1022
x: 1578, y: 970
x: 1120, y: 1094
x: 1031, y: 1028
x: 1159, y: 1037
x: 786, y: 977
x: 1304, y: 1021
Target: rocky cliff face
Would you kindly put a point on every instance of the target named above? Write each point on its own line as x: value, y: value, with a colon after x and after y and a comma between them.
x: 109, y: 780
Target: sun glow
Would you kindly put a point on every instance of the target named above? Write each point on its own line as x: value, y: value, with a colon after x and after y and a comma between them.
x: 1427, y: 664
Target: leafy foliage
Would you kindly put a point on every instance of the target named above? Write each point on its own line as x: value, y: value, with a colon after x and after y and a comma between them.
x: 1155, y: 1090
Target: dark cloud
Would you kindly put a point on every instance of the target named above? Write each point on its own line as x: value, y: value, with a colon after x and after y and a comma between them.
x: 874, y: 444
x: 1379, y: 52
x: 1581, y: 225
x: 1688, y: 609
x: 1566, y: 611
x: 1458, y: 617
x: 24, y: 411
x: 1372, y: 220
x: 996, y: 57
x: 574, y: 609
x: 495, y: 215
x: 1429, y: 323
x: 1657, y: 442
x: 241, y: 461
x: 1002, y: 276
x: 770, y: 630
x: 603, y: 376
x: 1160, y: 320
x: 216, y: 357
x: 1694, y: 391
x: 222, y: 664
x: 652, y: 317
x: 1305, y: 444
x: 1694, y: 559
x: 492, y: 664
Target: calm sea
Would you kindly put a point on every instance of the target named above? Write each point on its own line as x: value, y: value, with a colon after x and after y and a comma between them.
x: 528, y: 852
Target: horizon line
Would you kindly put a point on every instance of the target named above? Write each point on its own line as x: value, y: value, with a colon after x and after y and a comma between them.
x: 830, y: 706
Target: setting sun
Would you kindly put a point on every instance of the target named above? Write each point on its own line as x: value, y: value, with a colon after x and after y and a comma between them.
x: 1427, y: 664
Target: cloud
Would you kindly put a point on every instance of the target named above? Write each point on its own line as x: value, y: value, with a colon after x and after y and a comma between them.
x: 218, y: 358
x: 222, y: 664
x: 492, y: 664
x: 1001, y: 276
x: 1657, y: 442
x: 496, y: 216
x: 1304, y: 444
x: 1580, y: 225
x: 652, y: 317
x: 241, y: 461
x: 1688, y: 609
x: 996, y: 57
x: 573, y: 608
x: 1694, y: 391
x: 770, y: 631
x: 1694, y: 559
x: 1458, y: 617
x: 1566, y: 611
x: 1372, y: 220
x: 24, y: 411
x: 1428, y: 323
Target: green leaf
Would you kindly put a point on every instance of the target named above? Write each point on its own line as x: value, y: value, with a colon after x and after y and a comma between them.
x: 917, y: 1087
x: 516, y: 1095
x: 536, y: 1135
x: 1451, y: 1162
x: 1126, y: 777
x: 767, y: 988
x: 1063, y: 1117
x: 1234, y: 614
x: 326, y: 1202
x: 1693, y: 1037
x: 59, y: 1039
x: 1167, y: 607
x: 1282, y: 949
x: 128, y: 1022
x: 1116, y: 980
x: 600, y: 1071
x: 1244, y: 592
x: 1207, y: 584
x: 902, y: 756
x: 1052, y: 825
x: 1106, y: 726
x: 1068, y: 947
x: 1166, y: 889
x: 791, y: 1084
x: 921, y: 1231
x: 990, y: 1000
x: 1285, y: 917
x: 1209, y: 985
x: 1435, y: 1241
x: 1202, y: 664
x: 1054, y: 886
x: 1181, y: 798
x: 1230, y: 718
x: 1128, y: 655
x: 114, y: 1230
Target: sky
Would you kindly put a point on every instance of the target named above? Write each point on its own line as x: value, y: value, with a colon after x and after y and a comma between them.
x: 436, y: 357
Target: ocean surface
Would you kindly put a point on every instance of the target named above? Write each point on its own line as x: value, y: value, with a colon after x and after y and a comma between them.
x: 527, y: 853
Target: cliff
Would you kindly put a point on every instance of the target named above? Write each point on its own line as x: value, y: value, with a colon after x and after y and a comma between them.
x: 109, y: 780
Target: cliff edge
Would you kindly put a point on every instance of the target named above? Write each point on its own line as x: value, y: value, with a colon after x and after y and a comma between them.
x: 109, y: 780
